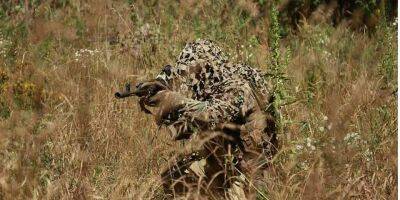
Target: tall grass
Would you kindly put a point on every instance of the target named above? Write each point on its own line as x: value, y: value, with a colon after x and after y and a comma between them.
x: 64, y: 136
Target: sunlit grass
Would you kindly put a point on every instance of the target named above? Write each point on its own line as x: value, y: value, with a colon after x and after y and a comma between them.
x: 63, y: 135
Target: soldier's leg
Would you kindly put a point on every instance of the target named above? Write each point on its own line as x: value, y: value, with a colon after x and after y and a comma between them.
x: 237, y: 191
x: 178, y: 177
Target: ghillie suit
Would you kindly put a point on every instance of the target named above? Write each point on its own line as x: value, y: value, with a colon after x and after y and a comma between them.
x: 206, y: 96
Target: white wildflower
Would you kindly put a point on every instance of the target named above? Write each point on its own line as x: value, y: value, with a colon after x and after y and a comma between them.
x: 304, y: 165
x: 352, y: 138
x: 3, y: 46
x: 310, y: 144
x: 368, y: 155
x: 299, y: 147
x: 85, y: 53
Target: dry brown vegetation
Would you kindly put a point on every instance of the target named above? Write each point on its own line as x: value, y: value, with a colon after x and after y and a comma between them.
x: 64, y: 136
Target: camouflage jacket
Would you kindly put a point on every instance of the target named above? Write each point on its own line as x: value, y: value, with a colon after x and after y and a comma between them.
x: 214, y: 90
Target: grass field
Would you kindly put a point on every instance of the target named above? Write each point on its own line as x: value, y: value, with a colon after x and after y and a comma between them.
x: 63, y: 135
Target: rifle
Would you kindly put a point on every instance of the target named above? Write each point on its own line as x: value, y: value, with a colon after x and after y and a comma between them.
x: 144, y: 91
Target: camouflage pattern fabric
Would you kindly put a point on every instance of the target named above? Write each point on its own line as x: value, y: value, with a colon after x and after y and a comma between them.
x: 206, y: 94
x: 222, y: 91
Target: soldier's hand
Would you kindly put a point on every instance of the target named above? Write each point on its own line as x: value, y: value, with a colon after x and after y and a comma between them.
x: 167, y: 103
x: 149, y: 88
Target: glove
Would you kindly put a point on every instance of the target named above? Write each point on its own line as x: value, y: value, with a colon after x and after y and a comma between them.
x: 168, y: 105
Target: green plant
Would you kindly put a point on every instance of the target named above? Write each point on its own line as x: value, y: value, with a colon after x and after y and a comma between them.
x: 278, y: 65
x: 388, y: 61
x: 44, y: 48
x: 80, y: 27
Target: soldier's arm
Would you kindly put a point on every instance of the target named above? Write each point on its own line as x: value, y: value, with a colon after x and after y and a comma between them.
x: 184, y: 116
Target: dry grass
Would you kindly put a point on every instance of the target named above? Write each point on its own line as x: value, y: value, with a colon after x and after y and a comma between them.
x: 64, y: 136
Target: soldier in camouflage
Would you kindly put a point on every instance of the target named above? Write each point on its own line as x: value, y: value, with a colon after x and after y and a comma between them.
x: 205, y: 96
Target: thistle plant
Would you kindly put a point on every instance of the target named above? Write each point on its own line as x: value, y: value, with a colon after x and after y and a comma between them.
x: 277, y: 67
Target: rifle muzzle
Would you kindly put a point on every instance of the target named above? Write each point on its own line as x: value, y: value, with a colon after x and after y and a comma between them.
x: 126, y: 93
